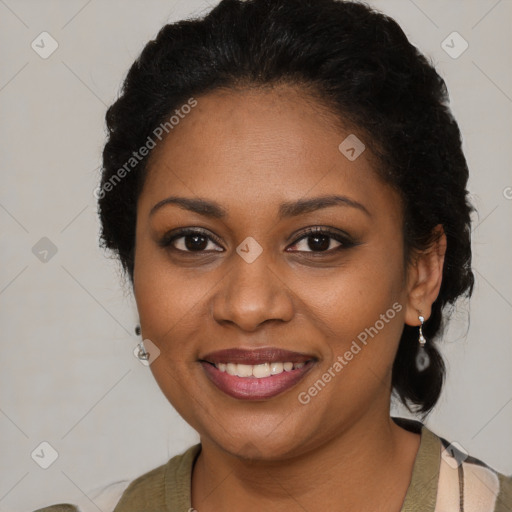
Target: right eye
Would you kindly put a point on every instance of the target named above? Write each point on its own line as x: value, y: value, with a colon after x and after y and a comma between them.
x: 189, y: 240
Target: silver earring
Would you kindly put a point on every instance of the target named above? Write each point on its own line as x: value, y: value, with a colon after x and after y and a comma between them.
x: 142, y: 354
x: 422, y: 358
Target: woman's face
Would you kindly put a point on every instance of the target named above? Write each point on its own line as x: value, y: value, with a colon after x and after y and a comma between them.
x: 254, y: 278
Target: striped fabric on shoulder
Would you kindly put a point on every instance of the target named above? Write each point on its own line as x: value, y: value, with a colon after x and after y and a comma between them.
x: 467, y: 484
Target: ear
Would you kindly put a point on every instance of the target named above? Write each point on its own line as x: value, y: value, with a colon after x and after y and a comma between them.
x: 424, y: 277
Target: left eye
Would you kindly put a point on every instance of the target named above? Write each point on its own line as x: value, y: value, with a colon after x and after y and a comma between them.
x: 318, y: 240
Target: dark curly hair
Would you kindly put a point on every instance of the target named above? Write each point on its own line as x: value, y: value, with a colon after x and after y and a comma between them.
x: 353, y: 59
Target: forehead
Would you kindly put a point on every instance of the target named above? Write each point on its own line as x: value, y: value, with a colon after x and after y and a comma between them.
x: 250, y: 148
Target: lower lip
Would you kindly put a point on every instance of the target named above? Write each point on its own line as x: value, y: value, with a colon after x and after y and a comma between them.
x: 252, y: 388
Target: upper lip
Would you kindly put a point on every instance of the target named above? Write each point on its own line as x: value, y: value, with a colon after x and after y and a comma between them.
x: 256, y: 356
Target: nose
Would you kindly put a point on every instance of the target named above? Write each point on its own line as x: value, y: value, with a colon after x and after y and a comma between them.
x: 251, y: 294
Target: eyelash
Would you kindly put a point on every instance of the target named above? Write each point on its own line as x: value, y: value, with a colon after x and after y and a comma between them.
x: 344, y: 240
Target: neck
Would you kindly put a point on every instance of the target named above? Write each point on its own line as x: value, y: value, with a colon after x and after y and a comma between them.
x: 367, y: 467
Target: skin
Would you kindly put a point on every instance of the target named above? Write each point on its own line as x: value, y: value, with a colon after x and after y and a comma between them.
x: 250, y: 151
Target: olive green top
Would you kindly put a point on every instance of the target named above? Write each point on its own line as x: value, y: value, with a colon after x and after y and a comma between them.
x: 442, y: 475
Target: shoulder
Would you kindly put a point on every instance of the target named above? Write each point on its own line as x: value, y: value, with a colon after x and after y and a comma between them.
x: 103, y: 498
x: 153, y: 490
x: 469, y: 484
x: 167, y: 485
x: 447, y: 479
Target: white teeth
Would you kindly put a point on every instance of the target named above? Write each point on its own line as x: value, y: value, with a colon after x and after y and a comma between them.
x: 257, y: 370
x: 243, y: 370
x: 276, y: 368
x: 231, y: 369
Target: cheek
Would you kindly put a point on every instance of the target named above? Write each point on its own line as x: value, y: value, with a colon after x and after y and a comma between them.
x: 359, y: 320
x: 168, y: 304
x: 356, y: 294
x: 168, y: 301
x: 359, y: 310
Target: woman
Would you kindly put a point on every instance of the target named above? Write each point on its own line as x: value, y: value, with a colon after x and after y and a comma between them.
x: 284, y: 185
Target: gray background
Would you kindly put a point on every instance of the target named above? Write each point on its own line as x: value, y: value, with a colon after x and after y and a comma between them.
x: 68, y: 374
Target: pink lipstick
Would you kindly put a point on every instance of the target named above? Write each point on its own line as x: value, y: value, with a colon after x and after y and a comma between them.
x: 256, y: 374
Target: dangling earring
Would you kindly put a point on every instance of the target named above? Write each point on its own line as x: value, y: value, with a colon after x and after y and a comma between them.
x: 142, y: 354
x: 422, y: 358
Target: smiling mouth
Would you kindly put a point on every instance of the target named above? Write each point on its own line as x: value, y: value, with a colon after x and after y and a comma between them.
x: 256, y: 374
x: 256, y: 382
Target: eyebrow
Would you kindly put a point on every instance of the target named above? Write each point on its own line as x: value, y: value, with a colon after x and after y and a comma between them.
x: 288, y: 209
